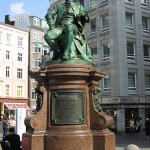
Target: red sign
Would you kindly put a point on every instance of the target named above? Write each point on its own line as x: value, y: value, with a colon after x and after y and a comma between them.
x: 3, y: 100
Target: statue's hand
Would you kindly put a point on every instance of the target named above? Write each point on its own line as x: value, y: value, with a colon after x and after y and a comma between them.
x: 51, y: 26
x: 85, y: 16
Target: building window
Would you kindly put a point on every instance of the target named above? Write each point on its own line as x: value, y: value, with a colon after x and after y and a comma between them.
x: 20, y: 41
x: 19, y: 73
x: 144, y: 2
x: 131, y: 81
x: 7, y: 92
x: 45, y: 51
x: 92, y: 4
x: 19, y: 91
x: 106, y: 84
x: 129, y: 21
x: 37, y: 48
x: 146, y: 51
x: 145, y: 24
x: 7, y: 54
x: 93, y: 25
x: 19, y: 56
x: 36, y: 21
x: 105, y: 22
x: 94, y: 54
x: 43, y: 24
x: 105, y: 52
x: 8, y: 36
x: 33, y: 94
x: 36, y: 62
x: 130, y: 50
x: 7, y: 71
x: 147, y: 82
x: 104, y: 1
x: 36, y: 35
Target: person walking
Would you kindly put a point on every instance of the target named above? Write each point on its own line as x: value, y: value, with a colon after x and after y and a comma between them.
x: 132, y: 127
x: 5, y: 127
x: 13, y: 123
x: 147, y: 128
x: 13, y: 140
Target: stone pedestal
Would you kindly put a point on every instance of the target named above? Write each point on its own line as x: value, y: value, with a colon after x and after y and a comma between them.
x: 67, y: 119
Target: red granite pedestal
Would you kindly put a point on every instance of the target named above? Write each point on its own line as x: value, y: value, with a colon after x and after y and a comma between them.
x: 67, y: 119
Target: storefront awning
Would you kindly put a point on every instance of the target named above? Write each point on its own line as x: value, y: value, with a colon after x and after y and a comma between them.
x: 14, y: 106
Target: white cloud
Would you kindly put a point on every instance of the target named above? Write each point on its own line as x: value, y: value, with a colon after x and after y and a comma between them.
x: 17, y: 8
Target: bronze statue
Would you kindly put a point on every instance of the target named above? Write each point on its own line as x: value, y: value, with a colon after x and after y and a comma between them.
x: 65, y: 35
x: 39, y: 99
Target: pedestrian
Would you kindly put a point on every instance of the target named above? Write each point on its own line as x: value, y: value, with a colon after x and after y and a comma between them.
x: 147, y: 128
x: 13, y: 139
x: 13, y: 123
x: 5, y: 127
x: 138, y: 126
x: 132, y: 127
x: 132, y: 147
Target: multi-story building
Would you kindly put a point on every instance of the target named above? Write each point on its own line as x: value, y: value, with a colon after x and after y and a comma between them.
x: 119, y: 37
x: 38, y: 48
x: 13, y: 68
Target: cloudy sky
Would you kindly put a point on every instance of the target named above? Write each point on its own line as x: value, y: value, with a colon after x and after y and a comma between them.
x: 32, y: 7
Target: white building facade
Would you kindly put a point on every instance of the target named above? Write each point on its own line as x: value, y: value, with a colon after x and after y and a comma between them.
x: 13, y: 68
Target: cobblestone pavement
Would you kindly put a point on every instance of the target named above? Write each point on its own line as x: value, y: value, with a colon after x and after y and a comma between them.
x: 123, y: 140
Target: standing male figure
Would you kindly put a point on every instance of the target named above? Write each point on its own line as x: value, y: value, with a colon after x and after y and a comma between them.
x: 132, y: 127
x: 5, y: 126
x: 70, y: 20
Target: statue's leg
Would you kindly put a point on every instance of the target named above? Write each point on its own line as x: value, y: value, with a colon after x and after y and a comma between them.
x: 69, y: 36
x: 50, y: 37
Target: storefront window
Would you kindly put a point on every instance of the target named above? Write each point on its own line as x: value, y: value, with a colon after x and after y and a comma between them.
x: 8, y: 113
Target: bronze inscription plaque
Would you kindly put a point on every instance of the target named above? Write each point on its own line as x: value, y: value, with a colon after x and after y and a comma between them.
x: 68, y: 107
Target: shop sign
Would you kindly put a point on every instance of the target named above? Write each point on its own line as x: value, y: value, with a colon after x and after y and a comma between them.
x: 14, y: 106
x: 13, y: 100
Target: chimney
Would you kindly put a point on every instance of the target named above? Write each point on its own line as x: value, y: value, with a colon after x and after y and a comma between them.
x: 7, y: 20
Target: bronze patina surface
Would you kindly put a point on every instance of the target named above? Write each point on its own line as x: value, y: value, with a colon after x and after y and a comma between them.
x: 65, y: 35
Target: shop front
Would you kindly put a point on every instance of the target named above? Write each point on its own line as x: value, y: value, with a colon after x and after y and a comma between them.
x: 123, y: 113
x: 9, y: 106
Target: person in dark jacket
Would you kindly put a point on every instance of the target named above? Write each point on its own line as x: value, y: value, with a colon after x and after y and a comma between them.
x: 13, y: 140
x: 5, y: 127
x: 147, y: 128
